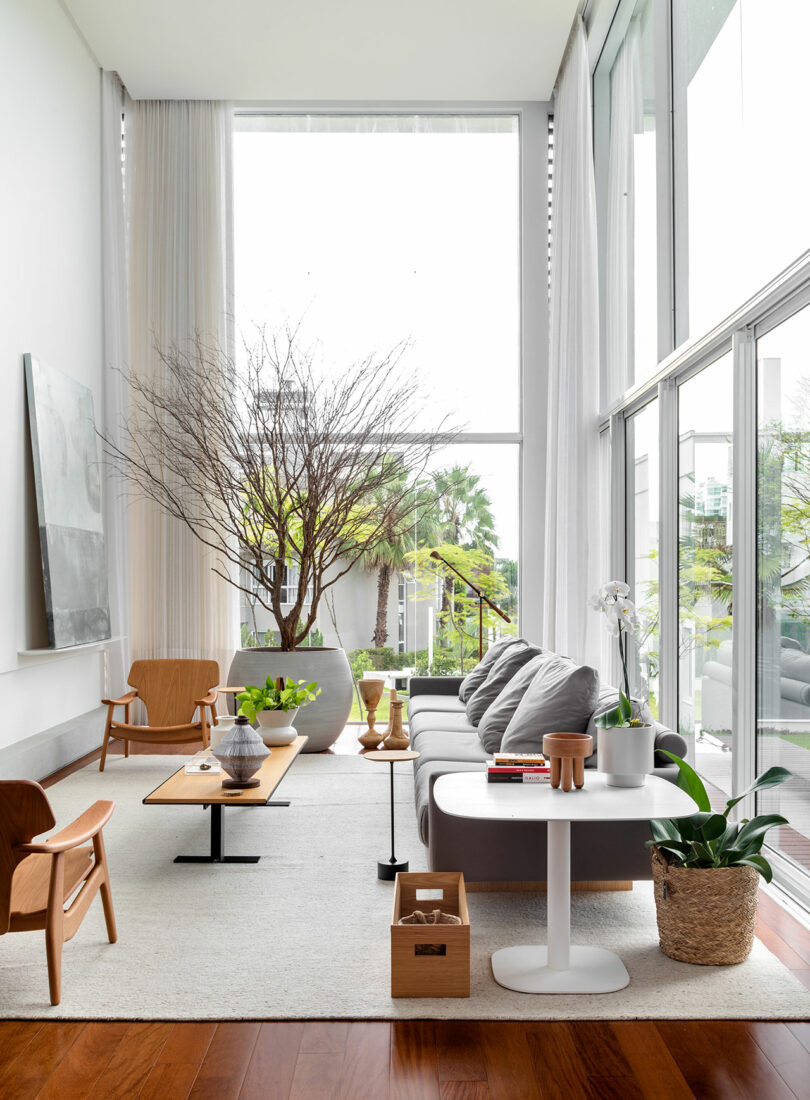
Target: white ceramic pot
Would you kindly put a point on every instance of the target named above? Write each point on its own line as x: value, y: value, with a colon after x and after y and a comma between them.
x: 626, y: 755
x: 224, y: 725
x: 276, y: 726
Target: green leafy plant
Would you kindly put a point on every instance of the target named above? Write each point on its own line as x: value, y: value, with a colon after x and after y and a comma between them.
x: 276, y: 695
x: 709, y: 839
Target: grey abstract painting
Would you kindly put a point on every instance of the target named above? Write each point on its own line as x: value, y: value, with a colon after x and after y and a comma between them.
x: 68, y: 486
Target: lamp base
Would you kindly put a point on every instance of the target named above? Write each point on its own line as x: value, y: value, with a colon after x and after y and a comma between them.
x: 388, y: 871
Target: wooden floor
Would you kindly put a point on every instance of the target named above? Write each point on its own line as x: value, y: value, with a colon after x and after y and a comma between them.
x: 411, y: 1060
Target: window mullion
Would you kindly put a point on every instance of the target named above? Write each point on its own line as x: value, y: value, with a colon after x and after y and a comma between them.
x: 668, y: 552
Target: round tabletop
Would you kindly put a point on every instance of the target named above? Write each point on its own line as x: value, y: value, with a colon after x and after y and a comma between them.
x: 468, y: 794
x: 390, y: 755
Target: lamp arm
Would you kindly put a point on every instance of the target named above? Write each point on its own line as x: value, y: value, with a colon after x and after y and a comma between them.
x: 480, y: 595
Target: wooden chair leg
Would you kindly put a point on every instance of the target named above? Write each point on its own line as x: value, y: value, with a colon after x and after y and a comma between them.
x: 104, y: 745
x: 126, y: 748
x: 100, y: 854
x: 55, y: 927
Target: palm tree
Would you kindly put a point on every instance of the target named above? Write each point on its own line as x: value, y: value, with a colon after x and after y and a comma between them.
x: 464, y: 518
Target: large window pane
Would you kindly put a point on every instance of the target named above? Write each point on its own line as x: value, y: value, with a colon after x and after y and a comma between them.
x: 783, y: 622
x: 625, y: 86
x: 741, y: 100
x: 369, y: 231
x: 704, y: 568
x: 642, y: 543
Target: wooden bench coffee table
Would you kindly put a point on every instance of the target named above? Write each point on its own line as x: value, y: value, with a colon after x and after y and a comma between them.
x: 207, y: 790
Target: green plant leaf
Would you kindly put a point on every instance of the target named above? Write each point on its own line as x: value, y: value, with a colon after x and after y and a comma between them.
x: 757, y: 827
x: 771, y: 778
x: 759, y: 863
x: 625, y: 708
x: 690, y: 781
x: 611, y: 719
x: 663, y: 829
x: 711, y: 829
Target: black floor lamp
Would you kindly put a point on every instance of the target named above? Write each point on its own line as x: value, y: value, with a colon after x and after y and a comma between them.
x: 482, y: 599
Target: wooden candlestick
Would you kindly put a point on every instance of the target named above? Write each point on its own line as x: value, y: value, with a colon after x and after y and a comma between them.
x: 371, y: 693
x: 397, y: 738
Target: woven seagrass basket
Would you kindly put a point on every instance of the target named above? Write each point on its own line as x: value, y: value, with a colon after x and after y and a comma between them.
x: 705, y: 916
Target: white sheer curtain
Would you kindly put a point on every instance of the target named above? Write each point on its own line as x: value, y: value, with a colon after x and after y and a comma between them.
x: 115, y: 104
x: 626, y: 120
x: 572, y: 483
x: 179, y: 215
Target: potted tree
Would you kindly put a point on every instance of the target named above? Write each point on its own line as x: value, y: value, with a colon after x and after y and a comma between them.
x: 282, y: 472
x: 274, y: 707
x: 706, y: 871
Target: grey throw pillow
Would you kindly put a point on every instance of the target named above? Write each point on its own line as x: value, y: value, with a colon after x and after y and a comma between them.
x: 496, y: 717
x: 499, y: 675
x: 479, y: 673
x: 560, y: 699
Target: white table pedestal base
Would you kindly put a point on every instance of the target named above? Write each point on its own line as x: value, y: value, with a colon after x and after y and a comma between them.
x: 590, y: 970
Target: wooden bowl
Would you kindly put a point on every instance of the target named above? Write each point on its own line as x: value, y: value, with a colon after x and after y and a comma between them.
x: 566, y: 753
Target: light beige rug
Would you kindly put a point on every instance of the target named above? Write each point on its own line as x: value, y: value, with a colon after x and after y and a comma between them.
x: 305, y: 932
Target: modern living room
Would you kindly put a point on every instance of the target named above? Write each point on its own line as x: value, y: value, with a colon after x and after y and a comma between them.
x: 398, y: 406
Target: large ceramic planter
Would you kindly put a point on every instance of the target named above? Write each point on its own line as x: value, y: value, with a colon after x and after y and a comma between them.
x: 323, y: 720
x: 626, y: 754
x: 705, y: 915
x: 276, y: 726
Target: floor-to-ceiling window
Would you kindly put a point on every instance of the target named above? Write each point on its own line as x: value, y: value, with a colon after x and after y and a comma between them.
x: 369, y: 232
x: 720, y: 551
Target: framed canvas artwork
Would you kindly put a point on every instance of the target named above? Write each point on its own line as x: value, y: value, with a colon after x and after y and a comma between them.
x: 69, y: 507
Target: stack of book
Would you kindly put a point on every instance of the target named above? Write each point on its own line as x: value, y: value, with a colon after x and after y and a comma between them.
x: 518, y: 767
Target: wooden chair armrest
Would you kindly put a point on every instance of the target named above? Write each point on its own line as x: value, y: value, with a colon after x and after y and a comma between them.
x: 82, y: 829
x: 122, y: 702
x: 208, y: 701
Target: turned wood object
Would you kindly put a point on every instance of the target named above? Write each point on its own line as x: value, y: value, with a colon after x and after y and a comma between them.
x: 566, y: 753
x: 371, y: 692
x: 397, y: 738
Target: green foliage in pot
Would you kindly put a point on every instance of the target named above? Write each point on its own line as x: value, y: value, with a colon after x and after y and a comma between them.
x: 276, y: 695
x: 708, y: 839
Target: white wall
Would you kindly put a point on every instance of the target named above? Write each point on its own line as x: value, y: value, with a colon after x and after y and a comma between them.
x: 50, y: 305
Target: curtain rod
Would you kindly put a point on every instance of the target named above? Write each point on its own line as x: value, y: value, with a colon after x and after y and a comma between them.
x: 582, y: 10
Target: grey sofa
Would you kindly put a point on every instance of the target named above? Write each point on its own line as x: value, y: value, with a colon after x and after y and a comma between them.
x: 509, y: 851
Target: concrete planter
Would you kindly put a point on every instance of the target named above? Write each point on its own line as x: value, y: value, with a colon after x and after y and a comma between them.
x: 323, y: 720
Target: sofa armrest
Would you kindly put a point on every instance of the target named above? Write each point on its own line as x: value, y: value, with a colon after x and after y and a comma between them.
x: 434, y: 685
x: 671, y: 741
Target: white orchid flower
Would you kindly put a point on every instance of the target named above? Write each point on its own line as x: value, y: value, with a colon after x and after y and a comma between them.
x: 615, y: 589
x: 597, y: 602
x: 626, y: 614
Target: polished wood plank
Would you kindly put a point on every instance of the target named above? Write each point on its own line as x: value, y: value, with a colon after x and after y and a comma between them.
x: 28, y: 1074
x: 784, y: 1051
x: 597, y: 1049
x: 320, y: 1036
x: 272, y: 1064
x: 508, y: 1061
x: 169, y: 1081
x: 801, y: 1030
x: 366, y: 1062
x: 777, y: 946
x: 459, y: 1051
x: 652, y: 1065
x: 85, y: 1061
x: 226, y: 1061
x: 15, y: 1036
x: 753, y: 1073
x: 414, y: 1073
x: 786, y: 926
x: 558, y: 1068
x: 317, y: 1075
x: 132, y: 1062
x: 465, y: 1090
x: 615, y: 1088
x: 696, y: 1053
x: 187, y: 1043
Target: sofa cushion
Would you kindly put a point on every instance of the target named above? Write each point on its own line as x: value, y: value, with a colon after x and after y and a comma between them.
x: 498, y: 714
x: 560, y: 698
x: 479, y: 673
x: 459, y: 747
x: 448, y: 703
x: 499, y: 675
x: 443, y: 721
x: 423, y: 779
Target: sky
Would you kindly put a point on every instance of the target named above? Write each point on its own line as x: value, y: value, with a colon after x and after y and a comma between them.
x: 369, y: 239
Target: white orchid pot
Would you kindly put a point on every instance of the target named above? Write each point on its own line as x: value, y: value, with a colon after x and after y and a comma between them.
x: 276, y: 726
x: 626, y: 755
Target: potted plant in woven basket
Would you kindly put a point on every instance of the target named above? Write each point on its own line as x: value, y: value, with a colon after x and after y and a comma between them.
x: 706, y: 871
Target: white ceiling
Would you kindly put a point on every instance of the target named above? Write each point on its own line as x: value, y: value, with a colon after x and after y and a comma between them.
x: 329, y: 49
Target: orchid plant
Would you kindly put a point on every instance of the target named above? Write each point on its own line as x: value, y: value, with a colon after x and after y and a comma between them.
x: 613, y: 600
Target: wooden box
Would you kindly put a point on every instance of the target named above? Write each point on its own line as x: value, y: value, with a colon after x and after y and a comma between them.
x: 442, y: 974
